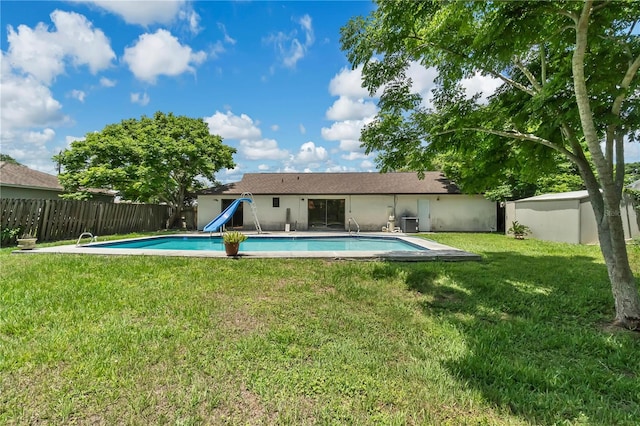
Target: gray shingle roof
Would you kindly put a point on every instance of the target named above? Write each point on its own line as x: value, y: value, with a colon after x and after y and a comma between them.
x: 337, y: 183
x: 18, y: 175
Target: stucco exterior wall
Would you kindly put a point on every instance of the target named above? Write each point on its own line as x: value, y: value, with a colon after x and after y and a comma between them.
x: 371, y: 212
x: 28, y: 193
x: 629, y: 218
x: 550, y: 220
x: 588, y: 228
x: 467, y: 213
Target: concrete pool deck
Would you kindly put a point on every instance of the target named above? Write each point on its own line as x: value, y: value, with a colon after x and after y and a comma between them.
x: 434, y: 251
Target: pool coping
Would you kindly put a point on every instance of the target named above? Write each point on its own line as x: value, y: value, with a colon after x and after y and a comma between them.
x: 435, y: 251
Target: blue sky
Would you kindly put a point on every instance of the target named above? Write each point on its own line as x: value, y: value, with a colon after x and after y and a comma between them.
x: 269, y: 77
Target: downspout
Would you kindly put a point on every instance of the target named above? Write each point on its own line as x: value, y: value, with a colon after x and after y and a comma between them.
x: 395, y: 202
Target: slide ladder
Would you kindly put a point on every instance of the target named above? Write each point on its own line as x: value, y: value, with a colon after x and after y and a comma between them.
x: 254, y: 211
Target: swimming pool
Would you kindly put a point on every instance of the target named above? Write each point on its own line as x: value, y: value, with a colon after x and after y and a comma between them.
x: 269, y: 244
x: 329, y: 245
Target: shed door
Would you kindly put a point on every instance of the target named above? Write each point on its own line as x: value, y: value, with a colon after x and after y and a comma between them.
x: 424, y: 217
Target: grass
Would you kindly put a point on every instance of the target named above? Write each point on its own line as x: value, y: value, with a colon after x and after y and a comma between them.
x: 518, y: 338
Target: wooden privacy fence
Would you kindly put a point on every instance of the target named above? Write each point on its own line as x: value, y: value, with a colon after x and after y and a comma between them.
x: 52, y: 220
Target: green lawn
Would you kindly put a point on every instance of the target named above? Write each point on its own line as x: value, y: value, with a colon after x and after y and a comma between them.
x: 518, y: 338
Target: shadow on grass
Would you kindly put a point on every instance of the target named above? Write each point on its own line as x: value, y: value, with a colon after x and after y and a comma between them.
x: 535, y: 335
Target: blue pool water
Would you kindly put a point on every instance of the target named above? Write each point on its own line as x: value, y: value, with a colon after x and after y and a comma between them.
x: 265, y: 244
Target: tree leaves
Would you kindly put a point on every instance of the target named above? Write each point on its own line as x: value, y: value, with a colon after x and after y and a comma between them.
x: 151, y: 159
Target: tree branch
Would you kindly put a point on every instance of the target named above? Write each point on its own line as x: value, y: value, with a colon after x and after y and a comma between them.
x: 601, y: 5
x: 631, y: 28
x: 543, y: 64
x: 574, y: 17
x: 529, y: 75
x: 514, y: 134
x: 631, y: 72
x: 479, y: 67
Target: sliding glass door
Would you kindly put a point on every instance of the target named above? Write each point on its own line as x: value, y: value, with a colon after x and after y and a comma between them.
x: 326, y: 214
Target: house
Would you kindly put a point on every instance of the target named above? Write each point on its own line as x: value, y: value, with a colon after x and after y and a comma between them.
x: 18, y: 181
x: 565, y: 217
x: 342, y: 201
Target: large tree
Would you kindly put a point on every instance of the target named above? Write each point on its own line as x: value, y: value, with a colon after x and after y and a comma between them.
x: 569, y: 73
x: 159, y: 159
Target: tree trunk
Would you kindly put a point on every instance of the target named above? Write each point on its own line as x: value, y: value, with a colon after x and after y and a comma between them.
x: 623, y: 283
x: 606, y: 205
x: 177, y: 200
x: 174, y: 216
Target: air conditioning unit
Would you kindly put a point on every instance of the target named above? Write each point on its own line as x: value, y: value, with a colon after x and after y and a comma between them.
x: 409, y: 225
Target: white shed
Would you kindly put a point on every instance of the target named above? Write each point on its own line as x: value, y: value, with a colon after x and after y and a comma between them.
x: 565, y: 217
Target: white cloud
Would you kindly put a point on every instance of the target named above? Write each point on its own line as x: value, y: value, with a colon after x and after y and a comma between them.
x: 27, y: 110
x: 263, y: 167
x: 348, y: 83
x: 227, y: 37
x: 143, y: 12
x: 288, y: 169
x: 25, y: 102
x: 340, y: 130
x: 105, y: 82
x: 355, y: 156
x: 338, y: 168
x: 422, y: 79
x: 39, y: 138
x: 78, y: 94
x: 158, y: 54
x: 245, y: 130
x: 275, y: 127
x: 215, y: 50
x: 366, y: 164
x: 140, y: 98
x: 262, y: 149
x: 192, y: 19
x: 310, y: 153
x: 231, y: 126
x: 351, y: 145
x: 70, y: 139
x: 481, y: 84
x: 353, y: 109
x: 302, y: 129
x: 42, y: 53
x: 345, y: 108
x: 289, y: 47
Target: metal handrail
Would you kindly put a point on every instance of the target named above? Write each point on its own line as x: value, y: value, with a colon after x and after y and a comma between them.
x: 87, y: 234
x: 354, y: 221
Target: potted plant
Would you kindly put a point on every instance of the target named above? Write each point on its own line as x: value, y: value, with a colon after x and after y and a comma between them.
x: 27, y: 241
x: 232, y: 240
x: 518, y: 230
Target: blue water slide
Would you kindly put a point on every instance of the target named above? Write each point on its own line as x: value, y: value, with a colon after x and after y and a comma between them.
x: 225, y: 216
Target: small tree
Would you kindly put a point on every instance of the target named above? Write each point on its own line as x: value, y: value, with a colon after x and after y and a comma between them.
x: 159, y: 159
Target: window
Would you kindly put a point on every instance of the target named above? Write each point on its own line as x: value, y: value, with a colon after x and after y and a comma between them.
x: 276, y: 201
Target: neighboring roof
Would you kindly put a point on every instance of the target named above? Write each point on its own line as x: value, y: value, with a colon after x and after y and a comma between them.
x: 22, y: 176
x: 573, y: 195
x: 337, y: 183
x: 635, y: 185
x: 17, y: 175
